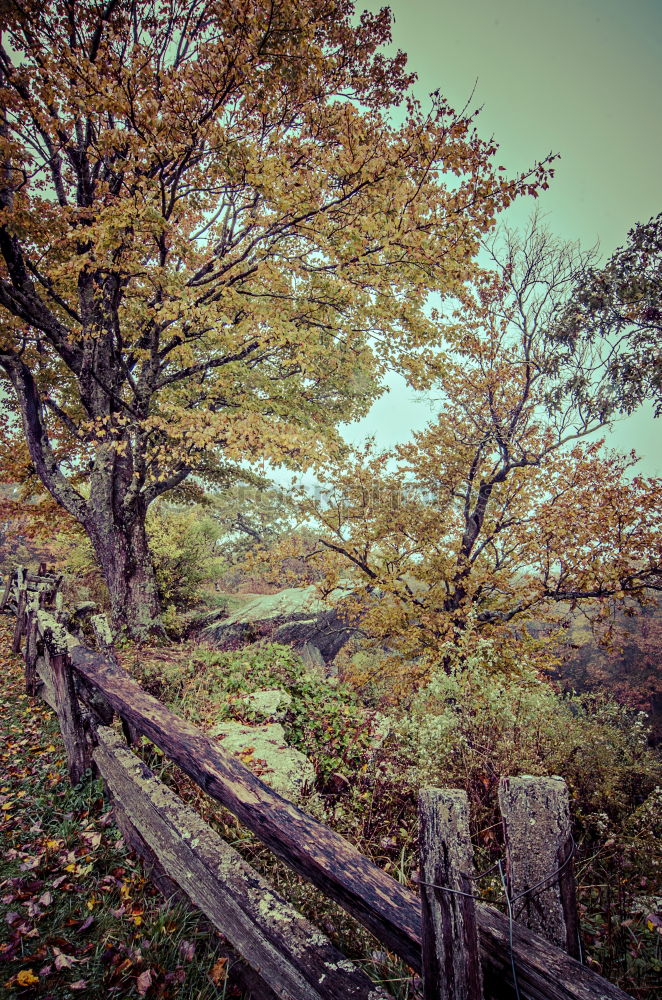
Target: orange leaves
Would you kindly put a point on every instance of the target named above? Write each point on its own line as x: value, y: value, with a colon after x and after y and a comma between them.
x: 502, y: 507
x: 219, y: 971
x: 26, y: 978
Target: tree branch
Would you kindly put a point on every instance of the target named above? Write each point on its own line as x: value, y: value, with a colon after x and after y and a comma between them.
x: 41, y: 451
x: 150, y: 493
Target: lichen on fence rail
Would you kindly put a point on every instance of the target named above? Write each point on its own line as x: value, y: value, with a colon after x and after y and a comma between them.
x: 293, y: 956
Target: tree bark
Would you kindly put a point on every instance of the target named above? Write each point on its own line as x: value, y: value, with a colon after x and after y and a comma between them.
x: 123, y: 553
x: 115, y: 512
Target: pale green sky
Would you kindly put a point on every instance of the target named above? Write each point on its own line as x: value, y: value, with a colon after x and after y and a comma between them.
x: 579, y: 77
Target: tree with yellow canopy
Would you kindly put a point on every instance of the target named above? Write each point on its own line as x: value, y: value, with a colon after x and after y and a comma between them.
x: 213, y: 239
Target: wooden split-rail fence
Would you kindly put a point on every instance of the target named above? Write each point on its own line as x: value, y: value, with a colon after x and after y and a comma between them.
x: 462, y: 948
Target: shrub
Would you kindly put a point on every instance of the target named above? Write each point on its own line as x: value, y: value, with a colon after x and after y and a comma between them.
x: 183, y: 544
x: 325, y: 722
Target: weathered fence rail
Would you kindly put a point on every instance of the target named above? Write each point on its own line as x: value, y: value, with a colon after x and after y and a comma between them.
x: 87, y: 688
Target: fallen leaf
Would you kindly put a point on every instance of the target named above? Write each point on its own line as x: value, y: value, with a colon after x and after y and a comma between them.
x: 27, y: 978
x: 143, y: 982
x: 62, y: 961
x: 219, y: 971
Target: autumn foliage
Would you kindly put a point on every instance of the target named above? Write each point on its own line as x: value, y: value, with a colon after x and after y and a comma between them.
x: 507, y: 508
x: 213, y: 238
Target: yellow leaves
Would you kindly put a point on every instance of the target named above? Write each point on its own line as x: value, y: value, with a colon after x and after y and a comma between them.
x: 78, y: 870
x: 285, y: 229
x: 26, y: 978
x: 218, y: 971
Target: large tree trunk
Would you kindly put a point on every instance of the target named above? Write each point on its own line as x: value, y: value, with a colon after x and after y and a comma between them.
x: 113, y: 509
x: 123, y: 554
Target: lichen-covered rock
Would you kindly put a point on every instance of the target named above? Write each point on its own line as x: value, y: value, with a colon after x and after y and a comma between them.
x: 269, y: 704
x: 312, y: 658
x: 296, y: 616
x: 264, y: 749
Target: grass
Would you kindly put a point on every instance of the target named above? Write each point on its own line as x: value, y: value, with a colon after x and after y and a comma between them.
x: 77, y: 918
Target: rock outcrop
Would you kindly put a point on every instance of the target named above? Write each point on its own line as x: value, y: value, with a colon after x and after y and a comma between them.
x: 270, y: 704
x: 263, y: 747
x: 297, y: 616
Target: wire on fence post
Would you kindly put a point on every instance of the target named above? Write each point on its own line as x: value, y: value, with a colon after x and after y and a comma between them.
x: 536, y: 819
x: 450, y: 948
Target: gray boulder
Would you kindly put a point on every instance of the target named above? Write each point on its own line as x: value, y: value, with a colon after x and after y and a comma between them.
x: 313, y: 659
x: 264, y: 750
x: 271, y: 704
x: 297, y: 617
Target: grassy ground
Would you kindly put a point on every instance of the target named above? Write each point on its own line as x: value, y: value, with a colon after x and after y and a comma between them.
x: 76, y: 916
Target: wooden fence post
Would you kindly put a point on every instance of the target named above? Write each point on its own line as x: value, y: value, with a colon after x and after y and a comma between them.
x: 450, y: 950
x: 31, y: 652
x: 7, y: 590
x: 21, y: 598
x: 104, y: 640
x: 55, y: 590
x: 79, y: 757
x: 539, y: 847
